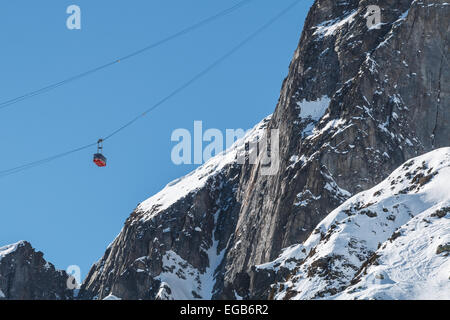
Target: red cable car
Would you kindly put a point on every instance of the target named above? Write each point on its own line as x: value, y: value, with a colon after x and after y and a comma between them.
x: 99, y: 158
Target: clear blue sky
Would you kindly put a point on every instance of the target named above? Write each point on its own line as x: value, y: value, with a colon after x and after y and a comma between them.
x: 70, y: 209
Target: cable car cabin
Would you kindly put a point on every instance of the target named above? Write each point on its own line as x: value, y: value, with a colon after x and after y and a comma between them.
x: 100, y: 160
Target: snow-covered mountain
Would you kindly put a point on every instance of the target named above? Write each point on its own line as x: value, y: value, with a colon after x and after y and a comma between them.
x: 389, y: 242
x: 358, y: 102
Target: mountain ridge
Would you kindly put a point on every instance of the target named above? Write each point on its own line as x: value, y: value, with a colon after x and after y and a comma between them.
x: 25, y: 275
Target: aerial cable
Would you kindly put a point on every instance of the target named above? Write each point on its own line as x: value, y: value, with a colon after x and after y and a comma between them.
x: 30, y: 165
x: 205, y: 71
x: 162, y: 101
x: 189, y: 29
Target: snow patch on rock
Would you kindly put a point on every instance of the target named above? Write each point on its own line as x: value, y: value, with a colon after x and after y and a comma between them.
x: 11, y: 248
x: 314, y: 109
x: 112, y: 298
x: 331, y: 27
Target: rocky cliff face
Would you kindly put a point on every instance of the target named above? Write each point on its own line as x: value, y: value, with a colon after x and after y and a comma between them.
x: 359, y: 101
x: 25, y: 275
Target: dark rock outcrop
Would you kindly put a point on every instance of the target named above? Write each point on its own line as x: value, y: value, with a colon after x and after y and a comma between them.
x: 25, y: 275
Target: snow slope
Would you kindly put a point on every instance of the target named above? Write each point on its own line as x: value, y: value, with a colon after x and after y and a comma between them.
x: 389, y: 242
x: 186, y: 282
x: 409, y: 267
